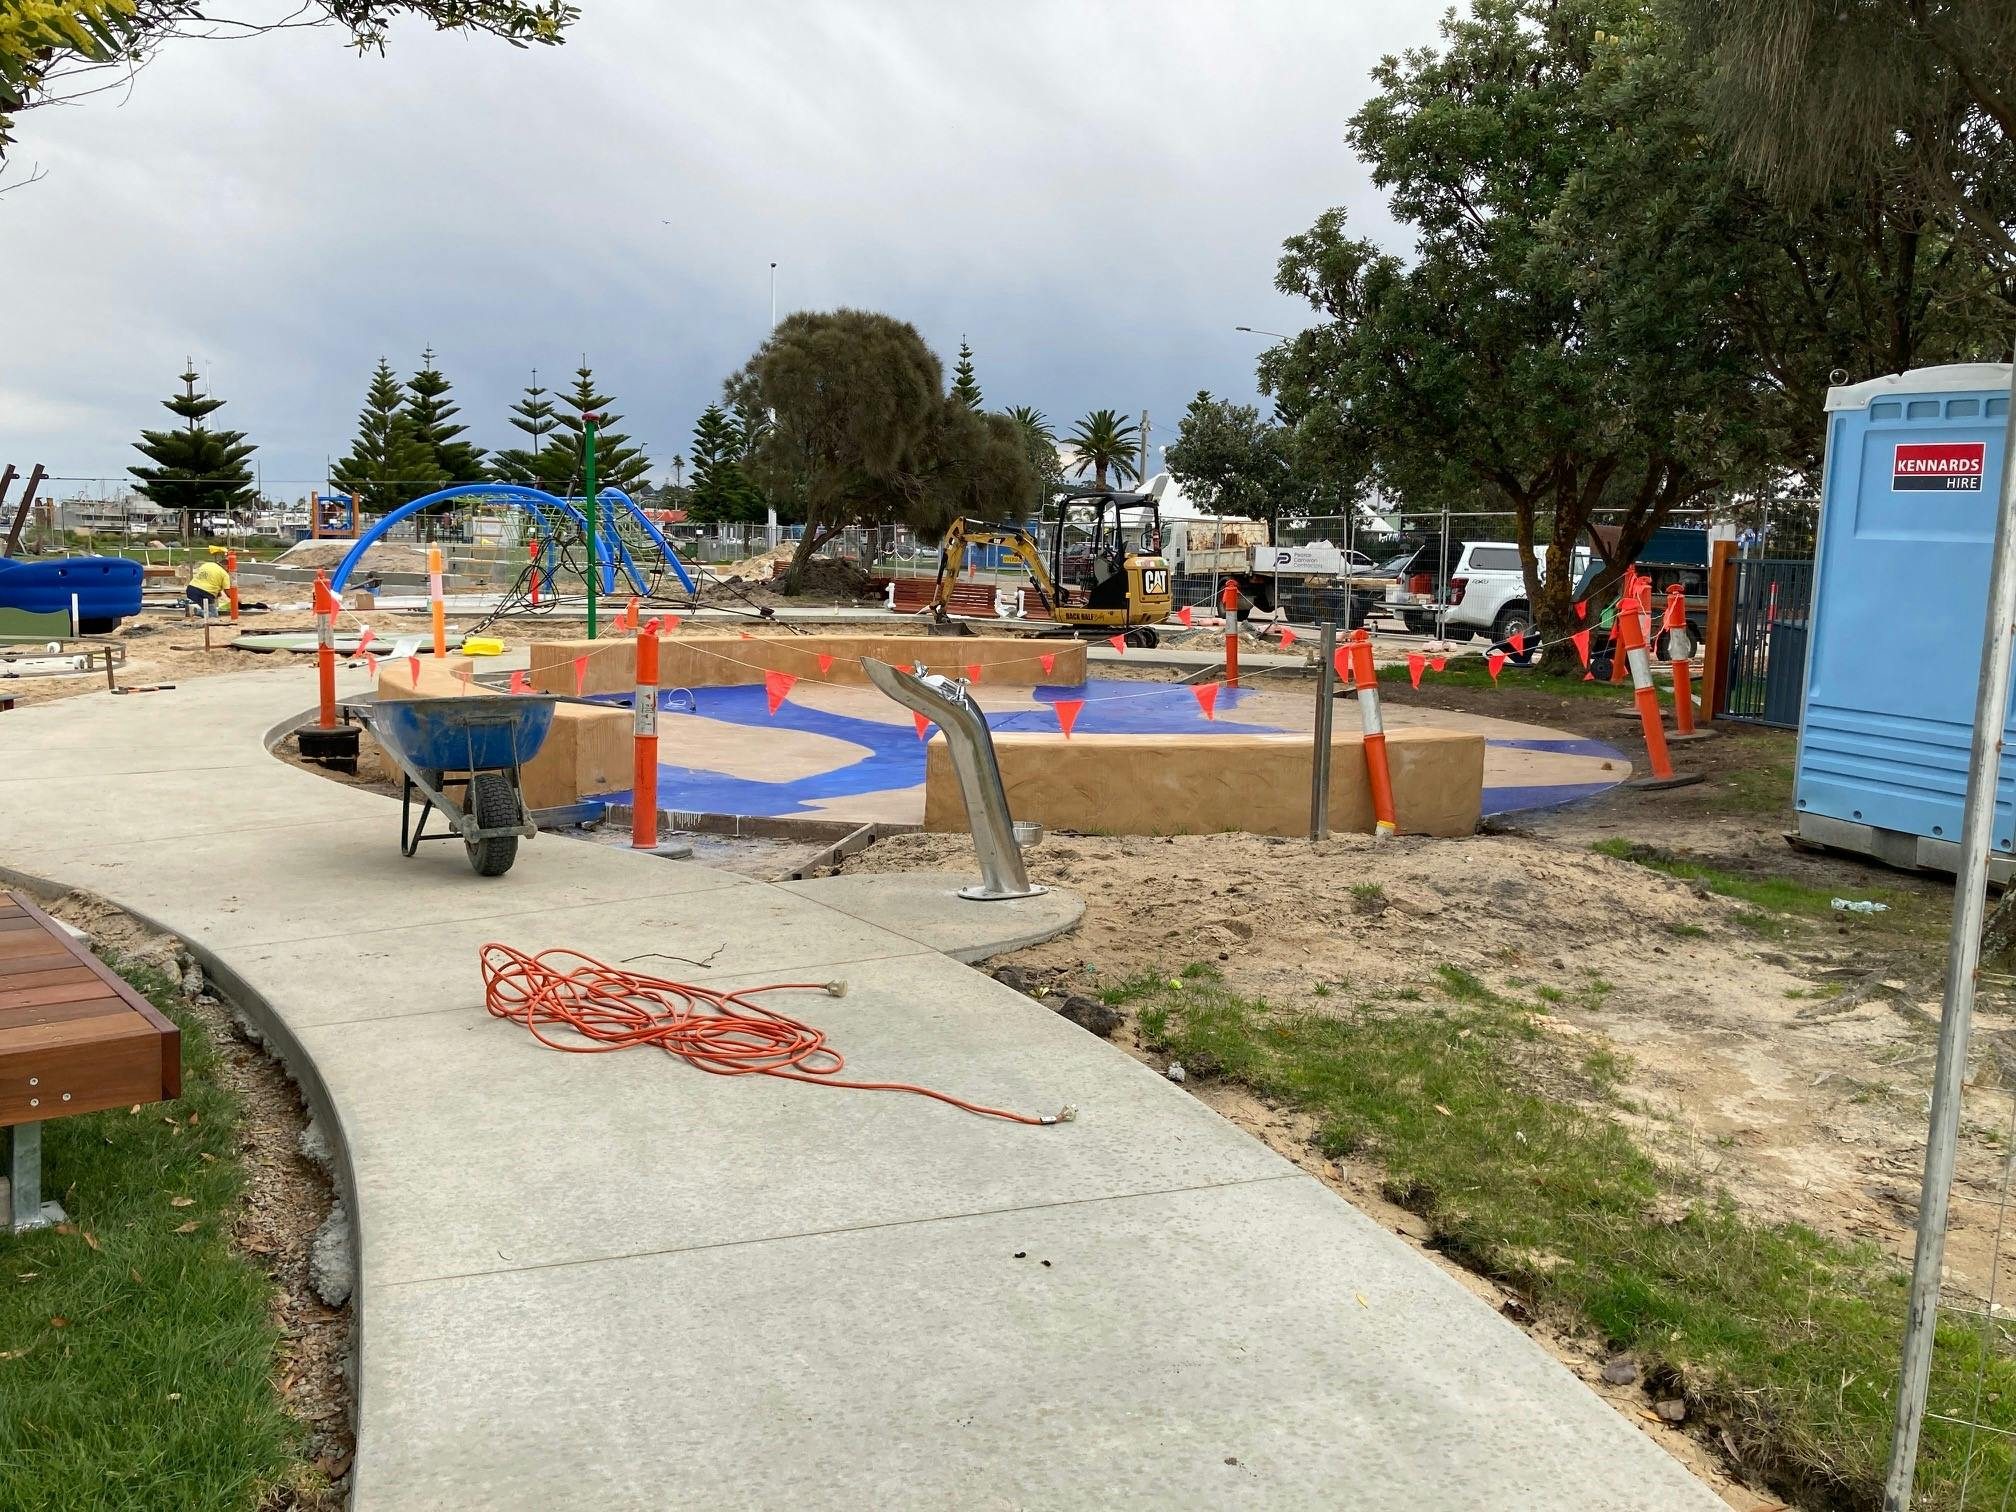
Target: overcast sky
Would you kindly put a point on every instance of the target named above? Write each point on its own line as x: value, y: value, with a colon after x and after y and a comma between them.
x: 1094, y: 194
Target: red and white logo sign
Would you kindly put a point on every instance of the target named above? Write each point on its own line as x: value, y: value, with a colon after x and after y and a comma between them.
x: 1939, y: 466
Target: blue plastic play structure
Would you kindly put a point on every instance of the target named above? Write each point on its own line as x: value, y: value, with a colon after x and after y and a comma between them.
x: 1900, y: 597
x: 104, y: 590
x: 610, y: 549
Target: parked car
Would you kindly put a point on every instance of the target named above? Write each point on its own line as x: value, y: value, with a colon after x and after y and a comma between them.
x: 1487, y: 591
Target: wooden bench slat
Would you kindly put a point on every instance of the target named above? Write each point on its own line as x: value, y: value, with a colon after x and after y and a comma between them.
x: 10, y: 923
x: 20, y: 942
x: 60, y: 1013
x: 29, y: 965
x: 90, y: 990
x: 30, y: 1040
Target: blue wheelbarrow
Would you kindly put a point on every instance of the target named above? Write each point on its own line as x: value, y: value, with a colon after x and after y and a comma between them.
x: 474, y: 745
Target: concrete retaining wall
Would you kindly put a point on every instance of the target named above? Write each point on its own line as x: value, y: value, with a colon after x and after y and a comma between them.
x: 712, y: 661
x: 1205, y: 784
x: 587, y: 750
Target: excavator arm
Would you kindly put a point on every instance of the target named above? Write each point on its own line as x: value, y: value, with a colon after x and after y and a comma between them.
x: 961, y: 535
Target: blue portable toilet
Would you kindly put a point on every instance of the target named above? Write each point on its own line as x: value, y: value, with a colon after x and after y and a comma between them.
x: 1900, y: 596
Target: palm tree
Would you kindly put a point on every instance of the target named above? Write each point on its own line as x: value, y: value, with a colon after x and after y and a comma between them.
x: 1034, y: 424
x: 1105, y: 442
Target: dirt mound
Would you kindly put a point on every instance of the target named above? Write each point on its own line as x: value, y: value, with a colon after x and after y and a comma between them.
x: 385, y: 557
x: 827, y: 577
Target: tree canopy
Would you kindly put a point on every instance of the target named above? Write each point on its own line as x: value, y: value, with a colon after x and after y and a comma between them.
x: 1601, y: 311
x: 864, y: 433
x: 195, y: 468
x: 721, y: 491
x: 618, y: 464
x: 1235, y: 463
x: 965, y: 386
x: 535, y: 465
x: 57, y: 50
x: 388, y: 464
x: 1106, y: 442
x: 433, y: 417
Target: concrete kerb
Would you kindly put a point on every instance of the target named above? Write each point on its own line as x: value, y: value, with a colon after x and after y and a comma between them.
x: 277, y: 1039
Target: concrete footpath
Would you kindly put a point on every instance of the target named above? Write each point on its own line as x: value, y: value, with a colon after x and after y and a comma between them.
x: 611, y: 1281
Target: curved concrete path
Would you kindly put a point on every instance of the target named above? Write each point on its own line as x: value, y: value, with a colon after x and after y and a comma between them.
x: 612, y: 1282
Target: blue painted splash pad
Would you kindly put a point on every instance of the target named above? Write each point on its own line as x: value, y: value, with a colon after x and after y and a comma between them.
x: 893, y: 757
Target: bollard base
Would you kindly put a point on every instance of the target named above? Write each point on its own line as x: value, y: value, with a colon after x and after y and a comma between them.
x: 1656, y: 784
x: 1696, y: 734
x: 980, y: 892
x: 335, y: 749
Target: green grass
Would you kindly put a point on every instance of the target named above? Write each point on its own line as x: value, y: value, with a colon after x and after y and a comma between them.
x: 1470, y: 672
x: 1783, y: 1340
x: 137, y: 1361
x: 1765, y: 788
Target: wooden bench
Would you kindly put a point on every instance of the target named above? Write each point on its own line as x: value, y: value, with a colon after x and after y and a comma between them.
x: 74, y: 1038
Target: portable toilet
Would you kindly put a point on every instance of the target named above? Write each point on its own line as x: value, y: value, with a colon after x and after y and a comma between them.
x: 1900, y: 596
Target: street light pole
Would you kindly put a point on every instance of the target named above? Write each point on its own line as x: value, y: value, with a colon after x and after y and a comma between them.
x: 1256, y: 331
x: 773, y: 296
x: 588, y: 423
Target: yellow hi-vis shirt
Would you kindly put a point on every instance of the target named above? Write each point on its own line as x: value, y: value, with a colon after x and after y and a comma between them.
x: 210, y: 578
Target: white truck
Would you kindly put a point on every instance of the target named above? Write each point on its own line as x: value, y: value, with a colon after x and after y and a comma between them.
x: 1487, y: 593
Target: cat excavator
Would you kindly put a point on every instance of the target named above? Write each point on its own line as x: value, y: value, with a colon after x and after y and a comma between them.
x: 1108, y: 547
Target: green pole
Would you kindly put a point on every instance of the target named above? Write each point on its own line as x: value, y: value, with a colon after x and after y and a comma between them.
x: 588, y: 485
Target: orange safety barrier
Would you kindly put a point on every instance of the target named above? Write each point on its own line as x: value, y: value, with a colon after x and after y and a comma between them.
x: 532, y: 547
x: 325, y: 650
x: 1680, y: 657
x: 435, y: 606
x: 1631, y: 637
x: 1385, y: 823
x: 644, y: 763
x: 231, y: 568
x: 1228, y: 599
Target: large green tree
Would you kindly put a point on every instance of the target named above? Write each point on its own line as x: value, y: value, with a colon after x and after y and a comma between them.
x: 863, y: 432
x: 618, y: 464
x: 55, y: 50
x: 387, y: 463
x: 195, y: 469
x: 1105, y: 442
x: 433, y: 417
x: 721, y: 492
x: 1235, y: 463
x: 536, y: 464
x: 1039, y: 444
x: 965, y: 386
x: 1601, y: 314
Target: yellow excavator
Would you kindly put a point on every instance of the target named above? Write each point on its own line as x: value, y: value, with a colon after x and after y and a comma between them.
x: 1108, y: 546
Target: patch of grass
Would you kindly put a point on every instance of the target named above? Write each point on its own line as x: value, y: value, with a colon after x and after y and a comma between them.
x: 1684, y: 931
x: 1367, y: 890
x: 1783, y: 1340
x: 1765, y: 788
x: 136, y: 1360
x: 1465, y: 672
x: 1779, y: 894
x: 1550, y: 994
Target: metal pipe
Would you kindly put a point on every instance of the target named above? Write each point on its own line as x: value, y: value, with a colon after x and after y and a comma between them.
x: 1319, y: 761
x: 948, y: 705
x: 1963, y: 960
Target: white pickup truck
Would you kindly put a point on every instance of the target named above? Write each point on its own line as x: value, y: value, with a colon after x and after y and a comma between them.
x: 1487, y: 591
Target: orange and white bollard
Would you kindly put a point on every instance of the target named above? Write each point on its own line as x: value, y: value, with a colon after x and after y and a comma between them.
x: 644, y: 760
x: 1631, y: 636
x: 1627, y: 599
x: 1228, y: 600
x: 231, y: 570
x: 435, y: 604
x: 1680, y: 657
x: 1385, y: 823
x: 630, y: 612
x: 325, y: 650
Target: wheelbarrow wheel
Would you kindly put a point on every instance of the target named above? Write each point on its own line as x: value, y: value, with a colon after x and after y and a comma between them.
x: 494, y: 803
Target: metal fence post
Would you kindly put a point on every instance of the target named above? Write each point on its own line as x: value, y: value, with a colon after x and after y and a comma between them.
x: 1319, y: 760
x: 1970, y: 898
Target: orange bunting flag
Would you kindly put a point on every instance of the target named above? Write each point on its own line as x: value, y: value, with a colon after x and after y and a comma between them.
x: 1492, y: 662
x: 1049, y: 660
x: 1581, y: 609
x: 1415, y: 662
x: 580, y: 675
x: 413, y: 671
x: 1581, y: 639
x: 1118, y: 643
x: 777, y: 685
x: 1067, y: 713
x: 464, y: 674
x: 521, y: 681
x: 371, y: 666
x: 745, y: 635
x: 1183, y: 614
x: 972, y: 672
x: 923, y: 726
x: 672, y: 622
x: 1288, y: 637
x: 1437, y: 663
x: 825, y: 663
x: 1588, y: 677
x: 364, y: 640
x: 1342, y: 661
x: 1517, y: 641
x: 1207, y: 699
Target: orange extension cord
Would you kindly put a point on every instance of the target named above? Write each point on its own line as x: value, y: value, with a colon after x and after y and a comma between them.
x: 723, y: 1033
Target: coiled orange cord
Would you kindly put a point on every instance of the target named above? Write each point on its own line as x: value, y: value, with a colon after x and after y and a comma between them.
x: 723, y: 1033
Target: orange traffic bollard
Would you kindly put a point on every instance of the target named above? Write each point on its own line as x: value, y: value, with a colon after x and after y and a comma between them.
x: 533, y: 548
x: 434, y: 601
x: 1385, y: 822
x: 1680, y: 656
x: 1228, y: 600
x: 644, y: 762
x: 325, y: 650
x: 231, y: 568
x: 1631, y: 637
x: 1627, y: 596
